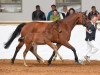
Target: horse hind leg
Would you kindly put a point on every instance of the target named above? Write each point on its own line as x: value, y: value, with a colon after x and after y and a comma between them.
x: 34, y: 54
x: 25, y: 52
x: 54, y: 47
x: 17, y: 50
x: 34, y: 51
x: 56, y: 52
x: 53, y: 57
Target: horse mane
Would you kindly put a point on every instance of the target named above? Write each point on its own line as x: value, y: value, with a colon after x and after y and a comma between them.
x: 56, y: 25
x: 62, y: 20
x: 69, y: 17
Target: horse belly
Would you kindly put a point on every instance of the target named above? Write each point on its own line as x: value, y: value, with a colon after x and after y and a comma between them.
x: 39, y: 39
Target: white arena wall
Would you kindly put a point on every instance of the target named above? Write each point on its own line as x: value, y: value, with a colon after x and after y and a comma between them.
x: 77, y: 40
x: 86, y: 4
x: 28, y: 6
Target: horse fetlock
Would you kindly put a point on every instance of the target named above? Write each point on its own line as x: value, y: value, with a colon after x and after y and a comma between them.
x: 54, y: 58
x: 12, y: 61
x: 43, y: 61
x: 25, y: 65
x: 58, y: 55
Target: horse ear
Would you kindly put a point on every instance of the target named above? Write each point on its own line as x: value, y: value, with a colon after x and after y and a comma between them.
x: 85, y: 12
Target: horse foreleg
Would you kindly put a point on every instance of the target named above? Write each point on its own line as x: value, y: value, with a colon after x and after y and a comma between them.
x: 58, y: 46
x: 17, y: 50
x: 54, y: 47
x: 74, y: 51
x: 53, y: 54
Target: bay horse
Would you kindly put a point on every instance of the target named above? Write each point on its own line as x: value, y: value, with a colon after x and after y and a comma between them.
x: 33, y: 39
x: 66, y: 25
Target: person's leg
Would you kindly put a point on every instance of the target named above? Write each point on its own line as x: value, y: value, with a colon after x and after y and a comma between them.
x: 89, y: 48
x: 95, y: 47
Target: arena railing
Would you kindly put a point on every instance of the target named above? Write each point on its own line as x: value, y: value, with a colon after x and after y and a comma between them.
x: 18, y: 22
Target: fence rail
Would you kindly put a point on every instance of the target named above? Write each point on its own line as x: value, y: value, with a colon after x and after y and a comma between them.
x: 18, y: 22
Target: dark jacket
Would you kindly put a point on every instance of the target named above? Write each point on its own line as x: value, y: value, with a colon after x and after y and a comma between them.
x: 91, y: 14
x: 64, y: 15
x: 91, y: 36
x: 38, y: 15
x: 49, y: 14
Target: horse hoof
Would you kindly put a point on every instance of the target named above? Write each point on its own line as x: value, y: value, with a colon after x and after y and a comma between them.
x: 38, y: 61
x: 79, y: 62
x: 62, y: 60
x: 25, y: 65
x: 12, y: 61
x: 43, y: 61
x: 49, y: 63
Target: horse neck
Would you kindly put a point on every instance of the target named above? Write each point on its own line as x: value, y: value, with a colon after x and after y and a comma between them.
x: 71, y: 21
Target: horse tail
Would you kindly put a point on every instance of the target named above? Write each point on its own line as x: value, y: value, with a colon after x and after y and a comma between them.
x: 14, y: 35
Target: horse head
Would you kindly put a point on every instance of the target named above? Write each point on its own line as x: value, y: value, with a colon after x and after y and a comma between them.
x: 83, y: 18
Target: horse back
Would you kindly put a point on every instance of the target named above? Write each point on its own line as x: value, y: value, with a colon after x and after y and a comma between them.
x: 34, y: 27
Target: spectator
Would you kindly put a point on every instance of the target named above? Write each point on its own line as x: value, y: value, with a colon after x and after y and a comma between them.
x: 55, y: 16
x: 38, y: 14
x: 93, y: 12
x: 50, y: 13
x: 99, y: 16
x: 71, y: 11
x: 64, y: 13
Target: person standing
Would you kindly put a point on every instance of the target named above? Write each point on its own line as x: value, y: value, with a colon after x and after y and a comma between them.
x: 93, y: 12
x: 53, y: 7
x: 71, y: 11
x: 55, y: 16
x: 64, y: 13
x: 90, y: 37
x: 38, y: 14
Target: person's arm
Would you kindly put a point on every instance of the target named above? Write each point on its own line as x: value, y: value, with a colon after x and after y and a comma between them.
x: 88, y: 29
x: 98, y: 28
x: 49, y: 14
x: 44, y: 17
x: 51, y: 18
x: 89, y: 16
x: 58, y: 17
x: 33, y: 17
x: 61, y: 16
